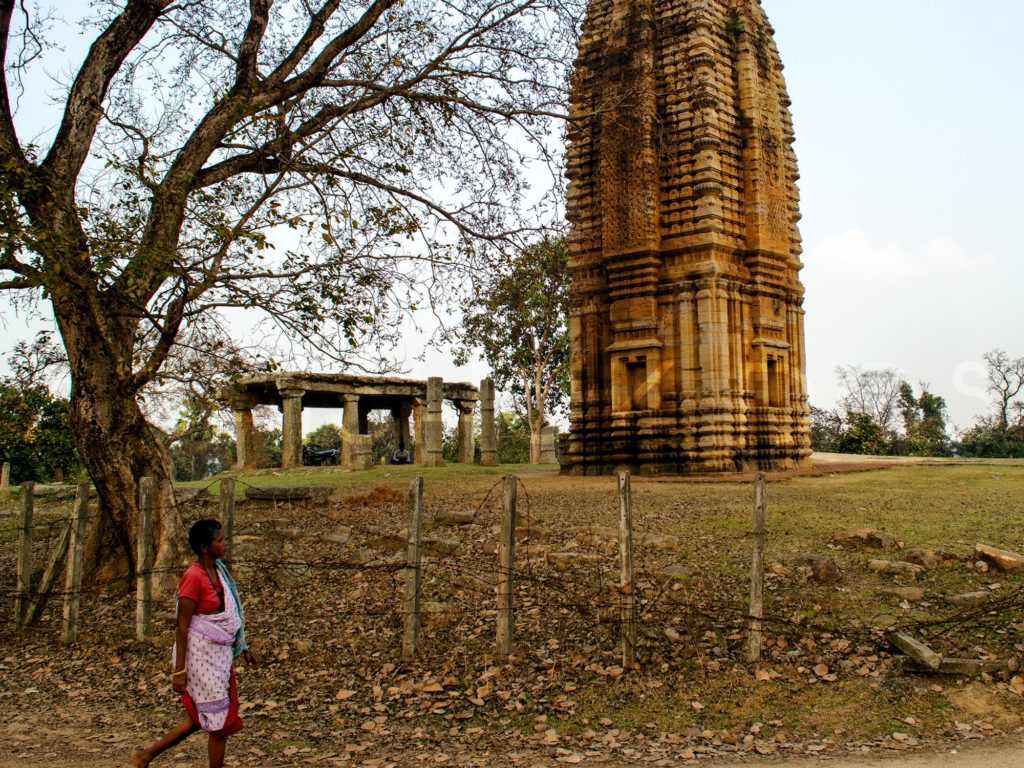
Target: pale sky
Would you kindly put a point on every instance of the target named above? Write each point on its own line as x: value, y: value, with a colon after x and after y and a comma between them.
x: 908, y: 117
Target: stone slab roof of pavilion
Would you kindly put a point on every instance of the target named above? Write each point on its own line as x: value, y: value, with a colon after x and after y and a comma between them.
x: 326, y: 389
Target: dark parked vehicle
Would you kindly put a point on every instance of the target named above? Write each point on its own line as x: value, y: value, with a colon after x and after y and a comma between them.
x: 314, y: 458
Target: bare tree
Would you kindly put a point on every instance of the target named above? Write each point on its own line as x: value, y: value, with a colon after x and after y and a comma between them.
x: 1005, y: 382
x: 874, y: 393
x: 382, y: 140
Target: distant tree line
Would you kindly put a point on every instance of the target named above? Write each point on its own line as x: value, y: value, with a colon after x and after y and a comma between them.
x: 999, y: 434
x: 880, y: 413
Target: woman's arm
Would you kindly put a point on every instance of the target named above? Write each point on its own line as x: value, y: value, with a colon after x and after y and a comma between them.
x: 186, y: 608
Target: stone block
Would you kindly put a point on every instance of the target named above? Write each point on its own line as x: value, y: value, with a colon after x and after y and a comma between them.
x: 548, y: 451
x: 362, y: 452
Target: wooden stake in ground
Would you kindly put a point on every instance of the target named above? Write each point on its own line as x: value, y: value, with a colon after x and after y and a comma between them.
x: 73, y: 578
x: 227, y: 514
x: 627, y: 581
x: 53, y: 570
x: 143, y: 566
x: 413, y: 572
x: 23, y: 584
x: 506, y: 568
x: 5, y: 476
x: 756, y: 638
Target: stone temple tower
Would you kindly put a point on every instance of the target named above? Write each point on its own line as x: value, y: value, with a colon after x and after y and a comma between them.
x: 686, y: 323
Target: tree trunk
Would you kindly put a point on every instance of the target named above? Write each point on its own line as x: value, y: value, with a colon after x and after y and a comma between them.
x: 536, y: 414
x: 118, y: 447
x: 534, y: 441
x: 533, y: 421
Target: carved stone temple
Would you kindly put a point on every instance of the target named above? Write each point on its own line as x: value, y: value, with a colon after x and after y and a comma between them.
x: 686, y: 319
x: 354, y: 398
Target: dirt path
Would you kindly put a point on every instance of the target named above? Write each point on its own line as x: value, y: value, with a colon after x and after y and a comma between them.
x: 1007, y: 755
x: 1003, y: 756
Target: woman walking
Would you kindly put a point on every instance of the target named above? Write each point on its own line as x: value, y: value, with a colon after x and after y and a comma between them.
x: 210, y: 636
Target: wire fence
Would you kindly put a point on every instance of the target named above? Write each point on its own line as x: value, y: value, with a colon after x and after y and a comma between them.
x: 565, y: 583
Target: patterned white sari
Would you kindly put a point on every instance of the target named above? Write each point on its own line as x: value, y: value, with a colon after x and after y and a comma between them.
x: 208, y: 661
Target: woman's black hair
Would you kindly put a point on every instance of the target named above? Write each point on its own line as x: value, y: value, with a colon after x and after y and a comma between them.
x: 201, y: 535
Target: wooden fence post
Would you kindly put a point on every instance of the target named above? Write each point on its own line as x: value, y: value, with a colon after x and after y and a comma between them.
x: 73, y: 577
x: 756, y: 638
x: 144, y: 575
x: 506, y: 568
x: 23, y: 587
x: 43, y: 589
x: 227, y: 515
x: 627, y: 585
x: 5, y: 476
x: 413, y: 572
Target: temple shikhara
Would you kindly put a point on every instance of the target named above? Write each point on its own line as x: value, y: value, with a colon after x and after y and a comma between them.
x: 686, y: 322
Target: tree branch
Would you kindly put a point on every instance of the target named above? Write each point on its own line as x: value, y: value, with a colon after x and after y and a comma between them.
x: 84, y: 108
x: 168, y: 332
x: 247, y: 71
x: 17, y: 284
x: 317, y: 25
x: 318, y: 69
x: 9, y: 145
x: 403, y: 90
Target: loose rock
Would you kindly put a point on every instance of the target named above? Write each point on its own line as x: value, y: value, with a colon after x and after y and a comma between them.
x: 926, y: 558
x: 824, y: 570
x: 866, y: 537
x: 452, y: 518
x: 563, y: 561
x: 910, y: 594
x: 970, y: 599
x: 1002, y: 559
x: 896, y: 568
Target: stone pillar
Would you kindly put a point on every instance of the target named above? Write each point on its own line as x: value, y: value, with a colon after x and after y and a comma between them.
x: 291, y: 451
x: 467, y: 448
x: 245, y: 432
x: 433, y: 426
x: 245, y: 440
x: 362, y: 452
x: 401, y: 417
x: 5, y: 476
x: 548, y: 454
x: 419, y: 419
x: 488, y: 439
x: 349, y: 427
x: 364, y: 418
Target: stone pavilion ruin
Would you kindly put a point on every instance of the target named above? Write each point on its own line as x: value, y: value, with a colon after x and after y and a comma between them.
x: 355, y: 397
x: 686, y: 320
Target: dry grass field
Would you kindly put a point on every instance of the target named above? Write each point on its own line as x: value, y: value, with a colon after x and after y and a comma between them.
x: 322, y: 581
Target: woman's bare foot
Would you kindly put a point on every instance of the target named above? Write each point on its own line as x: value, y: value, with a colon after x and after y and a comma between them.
x: 140, y: 759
